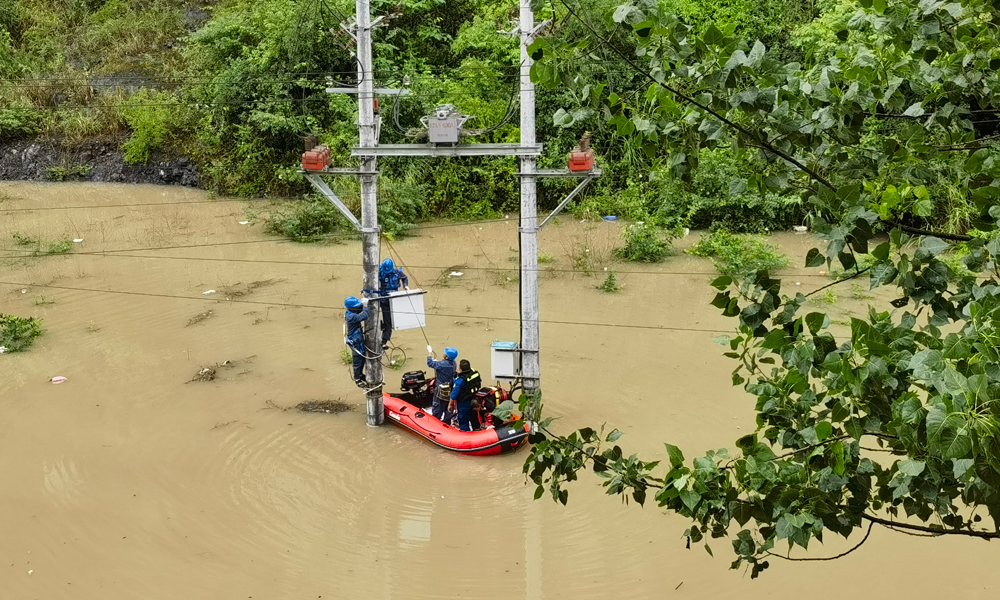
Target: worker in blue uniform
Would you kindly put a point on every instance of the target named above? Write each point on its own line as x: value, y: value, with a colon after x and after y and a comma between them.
x: 467, y: 383
x: 444, y: 376
x: 389, y: 278
x: 355, y: 316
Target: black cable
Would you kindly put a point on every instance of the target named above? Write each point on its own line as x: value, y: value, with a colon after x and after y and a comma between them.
x: 119, y: 253
x: 338, y: 308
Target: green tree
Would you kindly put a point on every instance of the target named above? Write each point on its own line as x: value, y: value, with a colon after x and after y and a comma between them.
x: 863, y: 133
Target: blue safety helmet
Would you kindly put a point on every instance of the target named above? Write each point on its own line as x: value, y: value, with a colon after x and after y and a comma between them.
x: 351, y: 302
x: 387, y: 265
x: 451, y: 353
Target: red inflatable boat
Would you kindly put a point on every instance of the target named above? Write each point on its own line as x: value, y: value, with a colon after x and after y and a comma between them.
x: 407, y: 409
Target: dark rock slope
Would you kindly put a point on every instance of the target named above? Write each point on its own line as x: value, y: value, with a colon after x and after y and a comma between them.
x: 92, y: 160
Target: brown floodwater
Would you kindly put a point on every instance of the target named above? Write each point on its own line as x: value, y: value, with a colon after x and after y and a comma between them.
x: 132, y: 481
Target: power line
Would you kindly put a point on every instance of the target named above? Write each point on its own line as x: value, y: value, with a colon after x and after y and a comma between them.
x: 337, y: 308
x: 119, y: 253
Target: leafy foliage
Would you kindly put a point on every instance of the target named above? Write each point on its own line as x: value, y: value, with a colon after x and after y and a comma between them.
x: 644, y: 242
x: 18, y: 333
x: 862, y: 132
x: 739, y: 255
x: 310, y: 221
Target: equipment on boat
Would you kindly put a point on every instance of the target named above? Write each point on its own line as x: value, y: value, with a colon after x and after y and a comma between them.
x: 407, y: 409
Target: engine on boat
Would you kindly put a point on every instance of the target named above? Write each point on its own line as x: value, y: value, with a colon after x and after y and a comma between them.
x: 419, y: 391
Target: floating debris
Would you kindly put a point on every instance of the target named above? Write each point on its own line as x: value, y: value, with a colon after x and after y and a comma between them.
x: 324, y: 406
x: 77, y: 240
x: 58, y: 379
x: 205, y: 293
x: 198, y: 318
x: 457, y: 274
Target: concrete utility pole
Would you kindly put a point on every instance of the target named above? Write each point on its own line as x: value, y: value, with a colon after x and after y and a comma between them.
x: 528, y: 231
x: 369, y: 211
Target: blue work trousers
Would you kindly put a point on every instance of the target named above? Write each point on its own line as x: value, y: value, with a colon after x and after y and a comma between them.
x: 465, y: 415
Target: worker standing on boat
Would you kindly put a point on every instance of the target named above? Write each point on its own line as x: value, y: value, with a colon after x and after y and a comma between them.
x: 444, y: 376
x: 467, y: 383
x: 388, y: 281
x: 357, y: 313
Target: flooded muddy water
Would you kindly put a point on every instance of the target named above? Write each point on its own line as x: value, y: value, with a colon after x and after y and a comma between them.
x: 131, y: 480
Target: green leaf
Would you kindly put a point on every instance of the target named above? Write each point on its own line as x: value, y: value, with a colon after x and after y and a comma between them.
x: 956, y: 443
x: 911, y: 411
x: 915, y: 109
x: 713, y: 37
x: 614, y: 436
x: 911, y: 467
x: 721, y: 283
x: 881, y: 252
x: 961, y: 466
x: 816, y: 321
x: 690, y: 498
x: 814, y: 258
x: 539, y: 491
x: 823, y: 430
x: 675, y: 455
x: 838, y: 462
x: 622, y: 12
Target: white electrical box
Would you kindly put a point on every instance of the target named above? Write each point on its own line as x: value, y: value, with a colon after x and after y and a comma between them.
x: 443, y: 131
x: 407, y: 308
x: 503, y: 360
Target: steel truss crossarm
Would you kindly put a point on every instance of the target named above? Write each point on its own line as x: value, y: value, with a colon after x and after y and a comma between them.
x: 579, y: 188
x: 318, y: 183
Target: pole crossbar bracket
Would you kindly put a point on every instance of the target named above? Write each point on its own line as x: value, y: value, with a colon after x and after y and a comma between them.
x: 375, y: 229
x: 561, y: 173
x: 579, y: 188
x: 380, y: 91
x: 431, y: 150
x: 338, y: 171
x: 320, y: 185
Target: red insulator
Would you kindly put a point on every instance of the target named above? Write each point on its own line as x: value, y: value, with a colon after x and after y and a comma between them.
x: 316, y: 159
x: 581, y: 160
x: 582, y: 157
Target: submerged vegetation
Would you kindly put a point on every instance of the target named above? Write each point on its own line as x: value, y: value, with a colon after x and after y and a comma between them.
x: 739, y: 255
x: 17, y: 334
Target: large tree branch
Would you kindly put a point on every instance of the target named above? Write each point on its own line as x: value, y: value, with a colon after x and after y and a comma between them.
x: 841, y: 555
x: 918, y: 231
x: 986, y: 535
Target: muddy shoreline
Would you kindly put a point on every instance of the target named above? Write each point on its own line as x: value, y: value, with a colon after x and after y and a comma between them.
x: 90, y: 160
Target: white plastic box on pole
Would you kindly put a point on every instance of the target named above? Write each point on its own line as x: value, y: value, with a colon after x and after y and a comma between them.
x: 503, y: 360
x: 407, y: 308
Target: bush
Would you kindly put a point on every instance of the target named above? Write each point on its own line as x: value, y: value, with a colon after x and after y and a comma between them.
x: 739, y: 255
x: 714, y: 197
x: 20, y: 120
x: 18, y: 333
x: 154, y: 118
x: 310, y: 221
x: 644, y: 242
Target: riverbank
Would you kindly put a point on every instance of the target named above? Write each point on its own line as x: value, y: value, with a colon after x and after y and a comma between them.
x: 91, y: 160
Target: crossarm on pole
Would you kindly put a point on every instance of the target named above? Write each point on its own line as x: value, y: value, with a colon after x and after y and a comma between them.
x: 318, y: 183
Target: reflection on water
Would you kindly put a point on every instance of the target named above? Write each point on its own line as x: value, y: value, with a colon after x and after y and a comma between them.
x: 130, y: 481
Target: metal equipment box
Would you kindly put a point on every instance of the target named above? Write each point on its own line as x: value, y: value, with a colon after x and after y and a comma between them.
x: 443, y: 131
x: 407, y: 309
x: 503, y: 360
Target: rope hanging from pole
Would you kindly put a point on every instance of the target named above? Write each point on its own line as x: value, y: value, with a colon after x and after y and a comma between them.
x: 399, y: 260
